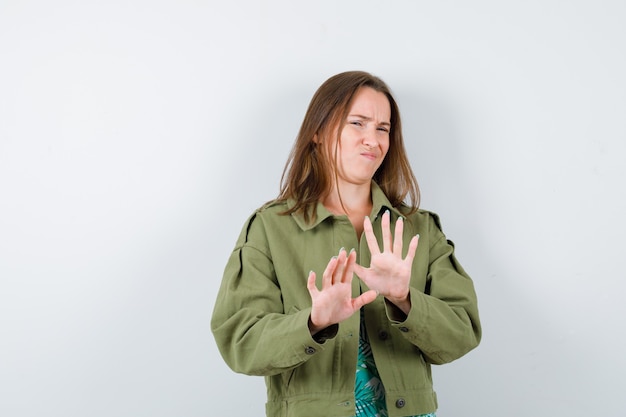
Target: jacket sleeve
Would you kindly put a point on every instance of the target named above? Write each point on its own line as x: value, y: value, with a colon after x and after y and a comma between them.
x: 443, y: 321
x: 253, y: 333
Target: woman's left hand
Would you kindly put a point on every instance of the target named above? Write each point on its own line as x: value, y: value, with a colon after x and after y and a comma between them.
x: 388, y: 273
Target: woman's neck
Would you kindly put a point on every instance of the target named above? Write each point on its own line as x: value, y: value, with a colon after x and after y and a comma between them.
x: 355, y: 201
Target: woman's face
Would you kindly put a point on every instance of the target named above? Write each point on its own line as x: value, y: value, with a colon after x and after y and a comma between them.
x: 364, y: 139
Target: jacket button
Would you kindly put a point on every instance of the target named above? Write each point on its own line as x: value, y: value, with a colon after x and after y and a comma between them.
x: 400, y: 402
x: 403, y: 329
x: 309, y: 350
x: 383, y: 335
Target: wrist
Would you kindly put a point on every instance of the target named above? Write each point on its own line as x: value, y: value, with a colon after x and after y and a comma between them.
x: 403, y: 303
x: 313, y: 328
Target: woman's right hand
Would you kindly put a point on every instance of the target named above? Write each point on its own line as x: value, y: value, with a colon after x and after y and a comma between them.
x: 334, y: 303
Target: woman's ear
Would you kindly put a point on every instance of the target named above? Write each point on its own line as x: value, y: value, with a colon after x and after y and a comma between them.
x: 316, y: 139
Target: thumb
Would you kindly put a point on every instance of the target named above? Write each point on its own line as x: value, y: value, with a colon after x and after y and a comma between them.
x: 365, y: 298
x: 362, y: 273
x: 359, y: 270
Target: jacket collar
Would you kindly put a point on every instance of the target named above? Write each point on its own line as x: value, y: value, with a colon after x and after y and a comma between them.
x: 380, y: 203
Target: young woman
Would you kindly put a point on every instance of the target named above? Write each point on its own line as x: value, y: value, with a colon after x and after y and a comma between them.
x: 341, y: 292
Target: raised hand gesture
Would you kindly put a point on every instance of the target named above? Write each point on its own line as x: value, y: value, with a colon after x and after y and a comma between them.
x: 388, y: 274
x: 334, y: 303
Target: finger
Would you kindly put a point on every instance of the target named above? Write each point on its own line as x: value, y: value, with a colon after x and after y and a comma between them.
x: 386, y: 229
x: 310, y: 284
x: 349, y: 269
x: 362, y: 273
x: 410, y: 255
x: 327, y: 277
x: 365, y: 298
x: 372, y: 243
x: 337, y: 275
x: 397, y: 238
x: 359, y: 270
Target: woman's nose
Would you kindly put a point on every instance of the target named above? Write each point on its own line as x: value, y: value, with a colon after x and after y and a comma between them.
x: 369, y: 138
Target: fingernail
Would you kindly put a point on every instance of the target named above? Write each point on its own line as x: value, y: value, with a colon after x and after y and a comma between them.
x: 342, y: 249
x: 351, y: 250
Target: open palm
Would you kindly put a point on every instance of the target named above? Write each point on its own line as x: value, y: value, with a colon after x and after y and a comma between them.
x: 334, y: 303
x: 388, y: 274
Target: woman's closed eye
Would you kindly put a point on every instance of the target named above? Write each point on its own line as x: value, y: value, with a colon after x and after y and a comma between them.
x: 362, y: 123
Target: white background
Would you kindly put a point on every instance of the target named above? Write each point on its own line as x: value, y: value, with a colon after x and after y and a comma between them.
x: 137, y: 136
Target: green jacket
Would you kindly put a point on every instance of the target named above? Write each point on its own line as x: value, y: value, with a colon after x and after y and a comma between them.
x: 260, y: 318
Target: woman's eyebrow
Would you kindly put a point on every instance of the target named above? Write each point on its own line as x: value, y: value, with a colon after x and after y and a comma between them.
x: 360, y: 116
